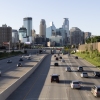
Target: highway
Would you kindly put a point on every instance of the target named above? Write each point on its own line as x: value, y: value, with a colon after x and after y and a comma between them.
x: 4, y: 66
x: 39, y: 87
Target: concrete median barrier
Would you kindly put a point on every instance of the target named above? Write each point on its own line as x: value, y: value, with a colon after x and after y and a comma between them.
x: 5, y: 93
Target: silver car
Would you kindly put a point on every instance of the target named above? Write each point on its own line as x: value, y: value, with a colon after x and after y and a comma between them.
x: 62, y: 60
x: 96, y: 91
x: 68, y: 69
x: 84, y: 74
x: 75, y: 84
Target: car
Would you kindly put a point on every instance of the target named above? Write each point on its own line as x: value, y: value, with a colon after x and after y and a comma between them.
x: 84, y: 74
x: 95, y: 90
x: 56, y: 58
x: 19, y: 65
x: 60, y: 57
x: 55, y: 77
x: 68, y: 69
x: 21, y: 59
x: 80, y: 68
x: 58, y: 54
x: 9, y: 61
x: 29, y: 58
x: 96, y: 74
x: 56, y: 64
x: 54, y: 55
x: 62, y: 60
x: 76, y: 57
x: 75, y: 84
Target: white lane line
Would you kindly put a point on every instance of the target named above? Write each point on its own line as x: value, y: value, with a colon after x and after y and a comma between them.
x: 75, y: 73
x: 72, y: 67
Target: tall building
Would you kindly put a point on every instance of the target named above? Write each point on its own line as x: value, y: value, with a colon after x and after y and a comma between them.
x: 5, y: 34
x: 23, y: 35
x: 76, y: 36
x: 87, y: 35
x: 43, y: 28
x: 58, y: 40
x: 33, y: 36
x: 65, y: 26
x: 27, y: 23
x: 51, y: 30
x: 15, y: 36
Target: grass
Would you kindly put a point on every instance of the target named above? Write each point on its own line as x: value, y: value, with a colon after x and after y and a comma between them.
x: 87, y: 58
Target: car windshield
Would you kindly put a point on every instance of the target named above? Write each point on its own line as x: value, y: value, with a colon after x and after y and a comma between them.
x: 97, y: 73
x: 84, y: 73
x: 75, y: 82
x: 81, y: 67
x: 54, y: 76
x: 68, y: 67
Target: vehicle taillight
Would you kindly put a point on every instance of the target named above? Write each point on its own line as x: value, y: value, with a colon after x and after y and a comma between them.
x: 96, y: 92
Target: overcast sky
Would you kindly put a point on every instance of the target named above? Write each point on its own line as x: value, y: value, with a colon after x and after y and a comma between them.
x: 84, y: 14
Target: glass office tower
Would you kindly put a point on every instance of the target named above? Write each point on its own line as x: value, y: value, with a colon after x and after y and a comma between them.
x: 23, y: 34
x: 28, y: 25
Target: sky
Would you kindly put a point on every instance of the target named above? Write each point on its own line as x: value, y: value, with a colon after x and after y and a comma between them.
x: 84, y: 14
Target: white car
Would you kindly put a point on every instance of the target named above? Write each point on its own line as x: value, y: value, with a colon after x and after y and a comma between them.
x: 68, y: 69
x: 75, y: 84
x: 84, y: 74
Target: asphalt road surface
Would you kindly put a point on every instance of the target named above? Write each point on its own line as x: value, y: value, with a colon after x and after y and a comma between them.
x: 39, y: 87
x: 4, y: 66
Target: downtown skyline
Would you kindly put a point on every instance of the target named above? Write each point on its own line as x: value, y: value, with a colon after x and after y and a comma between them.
x: 82, y: 14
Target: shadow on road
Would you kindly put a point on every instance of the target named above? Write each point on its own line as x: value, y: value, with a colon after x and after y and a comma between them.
x: 65, y: 81
x: 32, y: 87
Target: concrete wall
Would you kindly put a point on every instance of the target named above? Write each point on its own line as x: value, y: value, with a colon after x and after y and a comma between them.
x: 87, y: 46
x: 14, y: 86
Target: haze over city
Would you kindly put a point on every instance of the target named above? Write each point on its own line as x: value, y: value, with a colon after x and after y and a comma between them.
x: 83, y: 14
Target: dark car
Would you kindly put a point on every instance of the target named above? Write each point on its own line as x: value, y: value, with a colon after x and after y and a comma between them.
x: 21, y: 59
x: 96, y: 74
x: 19, y: 65
x: 54, y: 55
x: 9, y: 61
x: 55, y: 77
x: 56, y: 64
x: 80, y: 68
x: 56, y: 58
x: 60, y: 57
x: 76, y: 57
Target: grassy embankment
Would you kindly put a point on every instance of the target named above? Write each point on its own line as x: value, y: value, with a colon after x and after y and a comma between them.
x: 6, y: 54
x: 92, y: 57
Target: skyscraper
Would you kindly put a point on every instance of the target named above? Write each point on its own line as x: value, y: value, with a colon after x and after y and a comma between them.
x: 28, y: 25
x: 43, y: 28
x: 5, y: 34
x: 65, y: 26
